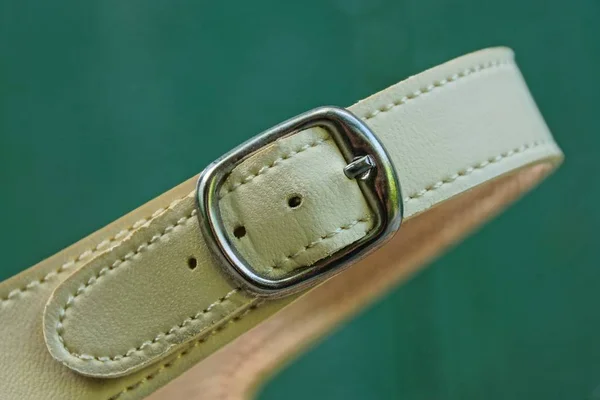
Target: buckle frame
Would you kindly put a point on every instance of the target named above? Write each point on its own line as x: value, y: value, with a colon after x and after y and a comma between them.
x: 368, y: 163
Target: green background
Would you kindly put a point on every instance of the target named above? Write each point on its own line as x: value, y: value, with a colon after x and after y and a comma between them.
x: 105, y: 105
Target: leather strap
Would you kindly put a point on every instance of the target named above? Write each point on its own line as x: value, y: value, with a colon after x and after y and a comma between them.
x: 130, y: 305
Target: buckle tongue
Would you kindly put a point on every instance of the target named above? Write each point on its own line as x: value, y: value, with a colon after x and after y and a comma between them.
x: 368, y: 163
x: 360, y: 168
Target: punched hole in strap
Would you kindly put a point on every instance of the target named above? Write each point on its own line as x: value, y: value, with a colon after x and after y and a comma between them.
x: 239, y: 231
x: 295, y: 201
x: 192, y: 263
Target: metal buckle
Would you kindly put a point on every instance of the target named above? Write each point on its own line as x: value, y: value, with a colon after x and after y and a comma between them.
x: 368, y: 163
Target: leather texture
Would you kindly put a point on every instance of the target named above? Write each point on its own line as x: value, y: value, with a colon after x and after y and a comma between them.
x: 129, y: 300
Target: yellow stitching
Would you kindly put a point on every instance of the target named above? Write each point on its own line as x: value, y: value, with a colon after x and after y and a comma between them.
x: 91, y: 281
x: 158, y: 337
x: 265, y: 168
x: 321, y: 239
x: 437, y: 84
x: 85, y: 254
x: 471, y: 169
x: 184, y: 353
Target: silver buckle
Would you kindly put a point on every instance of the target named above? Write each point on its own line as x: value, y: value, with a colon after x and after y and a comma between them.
x: 368, y: 163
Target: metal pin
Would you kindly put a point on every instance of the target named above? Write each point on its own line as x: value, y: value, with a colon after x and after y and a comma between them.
x: 360, y: 167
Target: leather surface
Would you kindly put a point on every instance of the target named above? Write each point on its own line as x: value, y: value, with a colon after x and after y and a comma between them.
x: 485, y: 124
x: 279, y: 239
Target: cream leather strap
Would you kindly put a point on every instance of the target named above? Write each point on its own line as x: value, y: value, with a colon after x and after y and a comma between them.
x: 126, y: 310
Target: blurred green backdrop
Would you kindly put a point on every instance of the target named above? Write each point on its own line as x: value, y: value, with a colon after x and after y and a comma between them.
x: 93, y: 92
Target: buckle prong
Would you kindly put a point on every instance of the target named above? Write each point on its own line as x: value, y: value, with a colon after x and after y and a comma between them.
x: 360, y: 168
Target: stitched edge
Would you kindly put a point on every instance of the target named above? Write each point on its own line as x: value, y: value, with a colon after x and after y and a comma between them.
x: 184, y: 353
x: 158, y: 337
x: 62, y: 313
x: 438, y: 84
x: 468, y: 171
x: 85, y: 254
x: 265, y: 168
x: 327, y: 236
